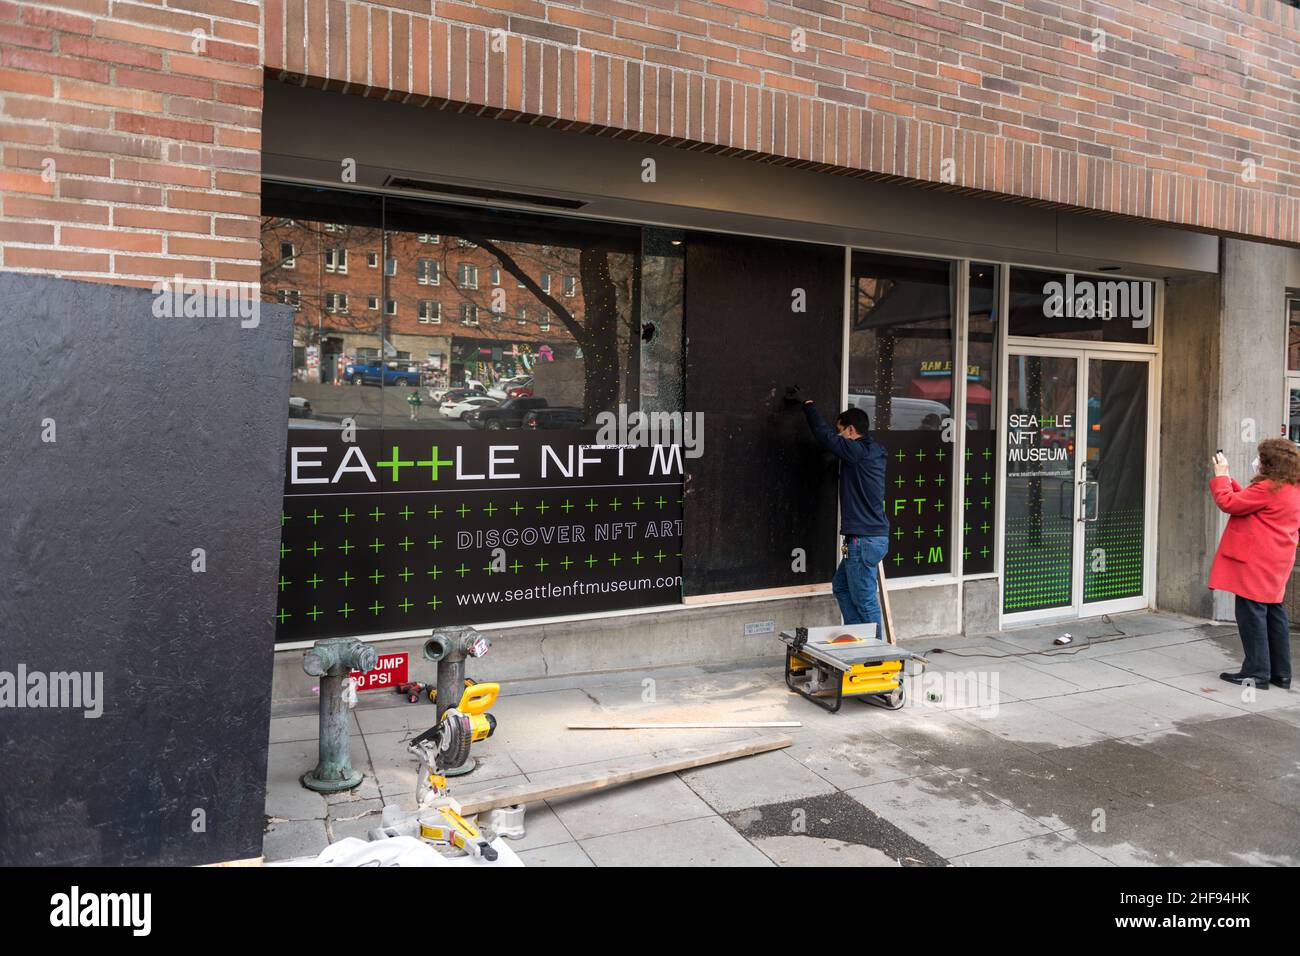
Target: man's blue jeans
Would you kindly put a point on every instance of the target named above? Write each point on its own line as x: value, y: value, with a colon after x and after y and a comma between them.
x: 854, y: 584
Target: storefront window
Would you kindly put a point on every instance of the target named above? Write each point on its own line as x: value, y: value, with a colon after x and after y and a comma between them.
x: 1293, y: 334
x: 1095, y: 308
x: 443, y: 506
x: 901, y: 375
x: 1293, y: 368
x: 980, y: 471
x: 433, y: 320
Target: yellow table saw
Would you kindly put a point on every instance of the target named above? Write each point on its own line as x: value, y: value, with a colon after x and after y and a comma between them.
x: 828, y: 664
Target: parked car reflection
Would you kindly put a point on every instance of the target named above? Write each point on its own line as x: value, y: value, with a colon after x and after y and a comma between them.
x: 456, y: 407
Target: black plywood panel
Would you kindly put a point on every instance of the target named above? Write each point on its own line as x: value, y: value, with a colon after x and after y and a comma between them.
x: 762, y: 487
x: 169, y: 436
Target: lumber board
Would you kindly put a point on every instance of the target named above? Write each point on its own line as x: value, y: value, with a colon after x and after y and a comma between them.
x: 887, y: 617
x: 639, y: 768
x: 722, y: 725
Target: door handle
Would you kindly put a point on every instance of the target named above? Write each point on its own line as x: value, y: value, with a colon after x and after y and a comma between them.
x: 1083, y: 502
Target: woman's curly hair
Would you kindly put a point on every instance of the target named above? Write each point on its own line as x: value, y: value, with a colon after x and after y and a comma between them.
x: 1279, y: 462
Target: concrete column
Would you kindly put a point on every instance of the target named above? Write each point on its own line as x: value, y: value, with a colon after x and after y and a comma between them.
x: 1224, y: 363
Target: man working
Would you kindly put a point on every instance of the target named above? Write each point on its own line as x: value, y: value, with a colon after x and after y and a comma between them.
x: 862, y: 512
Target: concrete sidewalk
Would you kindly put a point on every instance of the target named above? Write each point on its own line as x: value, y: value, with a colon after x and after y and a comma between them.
x: 1124, y: 748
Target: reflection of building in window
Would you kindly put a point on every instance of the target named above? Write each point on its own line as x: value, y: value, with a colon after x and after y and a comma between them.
x: 336, y: 302
x: 289, y: 297
x: 287, y: 258
x: 336, y: 260
x: 556, y: 331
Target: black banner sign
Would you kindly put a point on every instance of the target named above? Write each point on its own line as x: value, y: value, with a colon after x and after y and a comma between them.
x: 406, y: 530
x: 918, y: 490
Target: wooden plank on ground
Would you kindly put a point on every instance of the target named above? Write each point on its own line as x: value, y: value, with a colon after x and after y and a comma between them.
x: 636, y: 769
x: 722, y: 725
x: 884, y: 603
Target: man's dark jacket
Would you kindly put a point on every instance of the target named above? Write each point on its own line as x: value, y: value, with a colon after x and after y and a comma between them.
x: 862, y: 477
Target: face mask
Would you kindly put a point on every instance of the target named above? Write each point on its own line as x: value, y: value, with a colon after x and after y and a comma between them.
x: 1254, y: 466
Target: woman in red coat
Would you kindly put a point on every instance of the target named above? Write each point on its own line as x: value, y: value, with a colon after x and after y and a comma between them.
x: 1255, y: 557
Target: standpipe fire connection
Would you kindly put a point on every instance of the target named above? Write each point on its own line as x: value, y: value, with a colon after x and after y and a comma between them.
x: 332, y: 660
x: 448, y: 648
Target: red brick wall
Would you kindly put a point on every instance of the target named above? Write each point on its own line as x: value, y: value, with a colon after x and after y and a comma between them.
x: 131, y: 150
x: 1156, y: 126
x: 155, y: 146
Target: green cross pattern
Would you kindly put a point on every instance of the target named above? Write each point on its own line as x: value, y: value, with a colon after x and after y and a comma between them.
x: 371, y: 565
x: 434, y: 463
x: 395, y: 464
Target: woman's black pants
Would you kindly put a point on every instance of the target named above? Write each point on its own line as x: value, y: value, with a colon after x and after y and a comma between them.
x: 1266, y: 638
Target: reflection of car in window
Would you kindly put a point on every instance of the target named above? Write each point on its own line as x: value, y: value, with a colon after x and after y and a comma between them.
x: 441, y: 394
x: 299, y: 407
x: 372, y: 373
x: 456, y: 407
x: 510, y: 414
x: 558, y: 417
x: 905, y: 414
x: 503, y: 389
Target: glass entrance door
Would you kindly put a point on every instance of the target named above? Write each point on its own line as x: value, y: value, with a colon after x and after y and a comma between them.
x: 1075, y: 493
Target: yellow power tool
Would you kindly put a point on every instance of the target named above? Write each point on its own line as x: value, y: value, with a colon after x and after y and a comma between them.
x: 443, y: 747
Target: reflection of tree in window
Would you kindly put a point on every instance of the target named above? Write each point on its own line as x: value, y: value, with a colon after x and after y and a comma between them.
x: 599, y: 316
